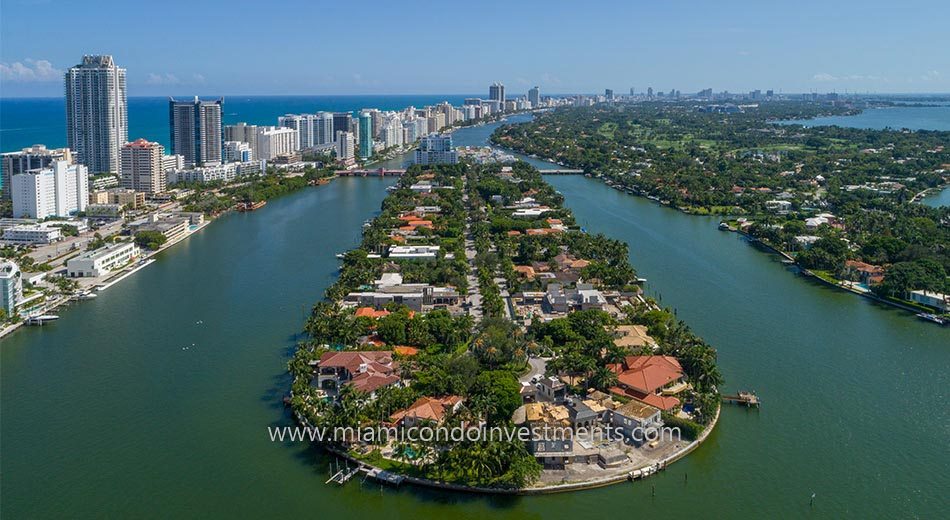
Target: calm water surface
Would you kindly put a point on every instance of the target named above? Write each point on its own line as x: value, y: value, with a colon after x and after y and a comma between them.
x: 129, y: 406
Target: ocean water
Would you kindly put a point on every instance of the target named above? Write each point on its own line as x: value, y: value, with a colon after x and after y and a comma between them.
x: 28, y: 121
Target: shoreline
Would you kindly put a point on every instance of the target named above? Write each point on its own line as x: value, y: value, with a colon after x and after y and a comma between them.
x: 772, y: 249
x: 143, y: 262
x: 622, y: 475
x: 550, y: 480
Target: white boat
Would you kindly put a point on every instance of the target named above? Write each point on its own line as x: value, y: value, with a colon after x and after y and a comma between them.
x: 41, y: 319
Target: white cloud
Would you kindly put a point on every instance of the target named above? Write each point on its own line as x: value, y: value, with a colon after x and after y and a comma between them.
x: 198, y: 79
x: 162, y: 79
x: 30, y: 70
x: 825, y: 77
x: 930, y: 75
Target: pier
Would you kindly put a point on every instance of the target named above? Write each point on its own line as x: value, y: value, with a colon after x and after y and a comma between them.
x: 749, y: 399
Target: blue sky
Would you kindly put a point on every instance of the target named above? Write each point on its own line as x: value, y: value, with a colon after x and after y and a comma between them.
x: 373, y: 47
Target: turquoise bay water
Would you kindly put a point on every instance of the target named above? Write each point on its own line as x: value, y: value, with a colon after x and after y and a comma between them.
x: 910, y: 117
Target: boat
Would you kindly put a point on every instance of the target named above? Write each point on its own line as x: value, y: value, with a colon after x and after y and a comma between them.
x: 340, y: 256
x: 87, y: 295
x: 41, y: 319
x: 251, y: 206
x: 723, y: 226
x: 932, y: 317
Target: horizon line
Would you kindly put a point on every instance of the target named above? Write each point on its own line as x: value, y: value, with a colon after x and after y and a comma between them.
x: 561, y: 94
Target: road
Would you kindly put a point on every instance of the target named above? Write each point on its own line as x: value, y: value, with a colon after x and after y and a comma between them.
x: 538, y: 367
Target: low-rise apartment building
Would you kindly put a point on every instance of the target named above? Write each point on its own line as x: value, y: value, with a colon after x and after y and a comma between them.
x: 102, y: 261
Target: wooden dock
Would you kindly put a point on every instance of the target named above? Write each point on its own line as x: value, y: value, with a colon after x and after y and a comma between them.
x: 748, y: 399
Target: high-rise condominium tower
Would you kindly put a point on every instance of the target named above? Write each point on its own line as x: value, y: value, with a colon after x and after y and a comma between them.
x: 196, y: 130
x: 96, y: 113
x: 496, y: 92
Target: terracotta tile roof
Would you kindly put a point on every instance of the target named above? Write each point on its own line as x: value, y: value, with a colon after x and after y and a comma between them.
x: 369, y: 312
x: 351, y: 360
x: 428, y: 408
x: 542, y: 231
x: 379, y: 370
x: 659, y: 401
x: 405, y: 351
x: 647, y: 374
x: 369, y: 383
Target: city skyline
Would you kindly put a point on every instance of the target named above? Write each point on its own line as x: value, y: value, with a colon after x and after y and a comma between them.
x: 849, y: 47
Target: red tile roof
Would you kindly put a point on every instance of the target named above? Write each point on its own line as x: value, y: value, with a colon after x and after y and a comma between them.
x: 647, y: 374
x: 428, y: 408
x: 370, y: 312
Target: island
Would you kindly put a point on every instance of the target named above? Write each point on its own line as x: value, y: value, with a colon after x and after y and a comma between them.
x: 476, y: 306
x: 841, y: 203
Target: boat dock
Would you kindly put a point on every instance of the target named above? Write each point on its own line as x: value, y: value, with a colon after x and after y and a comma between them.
x: 748, y: 399
x: 386, y: 477
x: 340, y: 477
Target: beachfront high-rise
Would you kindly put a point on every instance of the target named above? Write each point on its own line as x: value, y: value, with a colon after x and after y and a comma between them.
x: 366, y: 135
x: 195, y: 127
x: 534, y: 96
x: 97, y: 123
x: 496, y: 92
x: 142, y: 167
x: 344, y: 146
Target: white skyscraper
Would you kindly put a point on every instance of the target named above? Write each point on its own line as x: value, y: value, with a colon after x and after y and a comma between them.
x: 273, y: 141
x: 344, y: 146
x: 61, y: 190
x: 306, y: 126
x: 96, y: 113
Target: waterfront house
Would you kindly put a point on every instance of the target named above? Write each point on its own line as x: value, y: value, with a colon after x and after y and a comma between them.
x: 426, y: 410
x: 390, y: 289
x: 581, y: 415
x: 635, y: 419
x: 651, y: 379
x: 366, y: 371
x: 868, y: 274
x: 414, y: 252
x: 633, y: 337
x: 582, y: 297
x: 938, y: 301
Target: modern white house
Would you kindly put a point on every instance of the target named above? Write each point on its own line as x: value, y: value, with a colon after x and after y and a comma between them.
x: 414, y: 252
x: 102, y: 261
x: 936, y: 300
